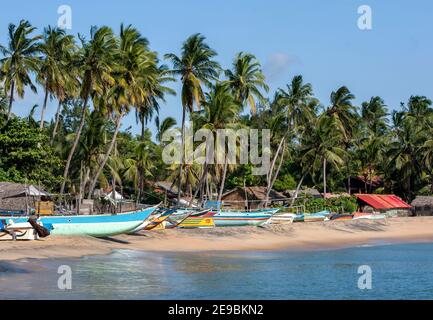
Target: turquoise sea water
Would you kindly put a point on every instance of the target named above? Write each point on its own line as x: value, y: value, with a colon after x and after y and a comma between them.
x: 403, y: 271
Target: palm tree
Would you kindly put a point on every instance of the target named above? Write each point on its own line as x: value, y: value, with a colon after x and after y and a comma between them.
x: 139, y: 165
x: 221, y: 111
x: 156, y: 93
x: 20, y: 58
x: 299, y: 106
x: 95, y: 61
x: 343, y: 115
x: 322, y: 145
x: 3, y: 101
x: 374, y: 114
x: 195, y: 68
x: 135, y: 66
x: 54, y: 74
x: 246, y: 79
x: 163, y: 126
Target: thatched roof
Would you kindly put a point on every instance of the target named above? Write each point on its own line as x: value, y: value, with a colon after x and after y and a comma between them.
x: 256, y: 193
x: 166, y: 186
x: 16, y: 196
x: 304, y: 192
x: 422, y: 201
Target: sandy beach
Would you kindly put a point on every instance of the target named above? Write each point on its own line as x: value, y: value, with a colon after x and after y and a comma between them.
x: 297, y: 236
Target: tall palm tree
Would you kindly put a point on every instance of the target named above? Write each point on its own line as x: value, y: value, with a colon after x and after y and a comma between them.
x: 20, y: 59
x: 221, y: 111
x: 96, y: 63
x: 343, y: 115
x: 195, y: 67
x: 246, y: 79
x: 322, y: 145
x: 134, y: 67
x: 298, y: 104
x: 54, y: 74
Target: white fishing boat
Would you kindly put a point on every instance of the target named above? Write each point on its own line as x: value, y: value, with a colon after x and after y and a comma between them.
x: 9, y: 230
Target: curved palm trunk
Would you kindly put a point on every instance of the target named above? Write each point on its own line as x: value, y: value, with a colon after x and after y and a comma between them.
x: 272, y: 179
x: 11, y: 100
x: 44, y: 108
x: 324, y: 178
x: 56, y: 125
x: 268, y: 191
x: 223, y: 179
x: 298, y: 187
x: 74, y: 145
x: 201, y: 185
x: 107, y: 155
x: 179, y: 183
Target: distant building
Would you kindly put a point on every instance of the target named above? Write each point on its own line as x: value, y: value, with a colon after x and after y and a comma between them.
x: 308, y: 192
x: 166, y: 187
x: 251, y: 198
x: 18, y: 197
x: 361, y: 184
x: 390, y: 205
x: 423, y: 206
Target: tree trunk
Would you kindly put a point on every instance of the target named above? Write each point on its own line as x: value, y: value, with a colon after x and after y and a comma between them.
x: 324, y: 178
x: 298, y: 187
x: 272, y: 179
x: 11, y: 100
x: 223, y: 179
x: 74, y: 145
x: 56, y: 125
x: 348, y: 178
x: 274, y: 160
x: 107, y: 155
x: 431, y: 182
x: 44, y: 107
x: 182, y: 157
x: 199, y: 185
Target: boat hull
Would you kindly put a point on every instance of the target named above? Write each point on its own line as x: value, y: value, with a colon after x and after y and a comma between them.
x: 93, y: 225
x: 22, y: 231
x: 241, y: 218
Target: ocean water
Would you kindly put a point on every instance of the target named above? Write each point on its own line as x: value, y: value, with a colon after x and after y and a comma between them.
x: 403, y: 271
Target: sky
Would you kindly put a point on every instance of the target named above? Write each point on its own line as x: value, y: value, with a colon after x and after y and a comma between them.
x: 318, y: 39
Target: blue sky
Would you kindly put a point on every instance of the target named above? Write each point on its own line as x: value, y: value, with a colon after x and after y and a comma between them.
x: 318, y: 39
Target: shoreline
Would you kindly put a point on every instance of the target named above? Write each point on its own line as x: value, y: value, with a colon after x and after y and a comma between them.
x: 298, y: 237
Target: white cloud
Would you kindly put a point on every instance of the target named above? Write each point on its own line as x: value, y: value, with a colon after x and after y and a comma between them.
x: 278, y: 65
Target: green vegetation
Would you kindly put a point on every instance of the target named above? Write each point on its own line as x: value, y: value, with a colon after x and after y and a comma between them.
x: 97, y: 80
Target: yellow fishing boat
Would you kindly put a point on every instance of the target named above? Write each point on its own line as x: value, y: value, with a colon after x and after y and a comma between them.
x: 156, y: 223
x: 197, y: 222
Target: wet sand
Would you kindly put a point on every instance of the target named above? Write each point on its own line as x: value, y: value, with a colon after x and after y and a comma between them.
x: 297, y: 236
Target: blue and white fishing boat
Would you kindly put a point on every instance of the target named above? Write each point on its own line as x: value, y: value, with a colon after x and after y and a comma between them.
x: 93, y: 225
x: 312, y: 217
x: 224, y: 218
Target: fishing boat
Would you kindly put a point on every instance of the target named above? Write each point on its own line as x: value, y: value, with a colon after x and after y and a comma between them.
x: 241, y: 218
x: 180, y: 215
x: 10, y: 230
x: 338, y: 217
x: 368, y: 216
x: 93, y: 225
x: 197, y: 222
x: 282, y: 218
x: 312, y: 217
x: 159, y: 219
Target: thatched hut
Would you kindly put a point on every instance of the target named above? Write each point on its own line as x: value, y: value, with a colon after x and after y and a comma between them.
x: 423, y: 206
x: 251, y: 198
x: 22, y: 198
